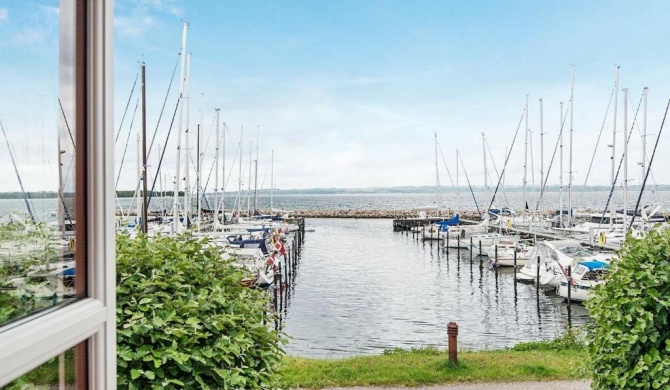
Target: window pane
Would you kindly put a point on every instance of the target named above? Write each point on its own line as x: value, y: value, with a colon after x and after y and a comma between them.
x: 57, y: 373
x: 37, y: 155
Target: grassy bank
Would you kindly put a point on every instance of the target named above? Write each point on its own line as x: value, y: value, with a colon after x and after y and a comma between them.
x: 526, y: 362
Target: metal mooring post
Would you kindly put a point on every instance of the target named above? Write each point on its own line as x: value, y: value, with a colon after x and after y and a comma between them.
x: 452, y: 331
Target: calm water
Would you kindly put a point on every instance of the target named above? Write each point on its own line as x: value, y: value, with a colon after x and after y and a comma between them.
x: 361, y: 288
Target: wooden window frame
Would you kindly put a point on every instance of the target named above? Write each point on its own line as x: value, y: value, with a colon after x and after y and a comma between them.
x: 89, y: 324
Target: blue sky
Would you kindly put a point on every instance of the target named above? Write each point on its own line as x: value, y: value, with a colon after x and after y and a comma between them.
x: 350, y: 93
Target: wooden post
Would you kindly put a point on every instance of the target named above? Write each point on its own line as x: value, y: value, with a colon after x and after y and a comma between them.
x: 537, y: 280
x: 452, y: 331
x: 471, y: 248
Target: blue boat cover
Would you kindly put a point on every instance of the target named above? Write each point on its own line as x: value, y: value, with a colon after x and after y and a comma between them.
x: 594, y: 264
x: 450, y: 222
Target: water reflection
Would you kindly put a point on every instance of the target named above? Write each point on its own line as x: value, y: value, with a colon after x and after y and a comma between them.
x: 360, y: 288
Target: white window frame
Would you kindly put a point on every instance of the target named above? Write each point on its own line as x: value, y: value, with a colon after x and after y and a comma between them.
x: 26, y: 346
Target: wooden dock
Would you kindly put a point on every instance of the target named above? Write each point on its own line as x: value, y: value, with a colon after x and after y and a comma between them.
x: 404, y: 224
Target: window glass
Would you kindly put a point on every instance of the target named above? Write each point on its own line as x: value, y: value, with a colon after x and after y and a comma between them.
x: 37, y: 161
x: 57, y: 373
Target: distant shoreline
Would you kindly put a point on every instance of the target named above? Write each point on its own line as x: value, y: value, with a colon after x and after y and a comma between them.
x: 346, y: 191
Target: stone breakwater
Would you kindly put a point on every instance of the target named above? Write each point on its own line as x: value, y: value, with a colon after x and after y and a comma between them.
x: 391, y: 214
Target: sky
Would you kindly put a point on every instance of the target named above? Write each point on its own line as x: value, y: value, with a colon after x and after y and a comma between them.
x: 351, y: 93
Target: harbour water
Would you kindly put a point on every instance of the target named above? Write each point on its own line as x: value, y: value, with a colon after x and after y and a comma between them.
x: 361, y: 288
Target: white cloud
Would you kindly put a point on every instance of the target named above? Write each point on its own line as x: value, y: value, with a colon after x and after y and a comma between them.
x: 29, y: 35
x: 4, y: 15
x: 133, y: 26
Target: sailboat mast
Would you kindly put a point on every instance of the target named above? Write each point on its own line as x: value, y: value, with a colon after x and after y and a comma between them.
x: 175, y: 207
x: 61, y: 199
x: 199, y: 167
x: 643, y: 164
x: 145, y: 212
x: 272, y: 180
x: 616, y: 95
x: 197, y: 176
x: 216, y: 171
x: 625, y: 159
x: 560, y: 174
x: 239, y: 184
x: 251, y: 147
x: 541, y: 155
x: 437, y: 179
x: 258, y: 138
x: 223, y: 185
x: 138, y: 206
x: 503, y: 172
x: 525, y: 160
x: 16, y: 170
x: 187, y: 150
x: 458, y: 194
x: 572, y: 117
x: 486, y: 183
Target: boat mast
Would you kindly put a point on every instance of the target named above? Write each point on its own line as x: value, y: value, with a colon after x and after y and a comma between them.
x: 251, y: 148
x: 644, y: 135
x: 175, y: 207
x: 145, y: 212
x: 239, y: 184
x: 138, y: 206
x: 560, y: 174
x: 272, y: 180
x: 625, y: 159
x: 187, y: 151
x: 616, y: 95
x: 525, y: 161
x: 223, y: 185
x: 541, y: 154
x: 61, y: 199
x: 258, y: 138
x: 16, y: 170
x: 458, y: 193
x: 199, y: 166
x: 503, y: 172
x: 437, y: 180
x: 572, y: 116
x: 216, y: 171
x: 486, y: 183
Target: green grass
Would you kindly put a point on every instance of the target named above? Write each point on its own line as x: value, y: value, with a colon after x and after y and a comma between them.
x: 532, y: 362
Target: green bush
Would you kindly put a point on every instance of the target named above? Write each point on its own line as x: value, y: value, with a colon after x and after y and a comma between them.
x: 630, y: 346
x: 185, y: 321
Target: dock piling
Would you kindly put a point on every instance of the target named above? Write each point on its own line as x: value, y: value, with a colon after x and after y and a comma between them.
x: 569, y: 295
x: 537, y: 276
x: 471, y: 250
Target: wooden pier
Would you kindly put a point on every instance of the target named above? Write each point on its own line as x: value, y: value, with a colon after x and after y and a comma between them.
x: 404, y: 224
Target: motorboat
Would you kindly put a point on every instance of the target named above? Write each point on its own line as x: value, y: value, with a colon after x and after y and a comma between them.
x: 506, y: 251
x: 553, y: 258
x: 584, y: 276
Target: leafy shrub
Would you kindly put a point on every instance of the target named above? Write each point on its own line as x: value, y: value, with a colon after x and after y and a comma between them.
x: 184, y: 320
x: 630, y: 346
